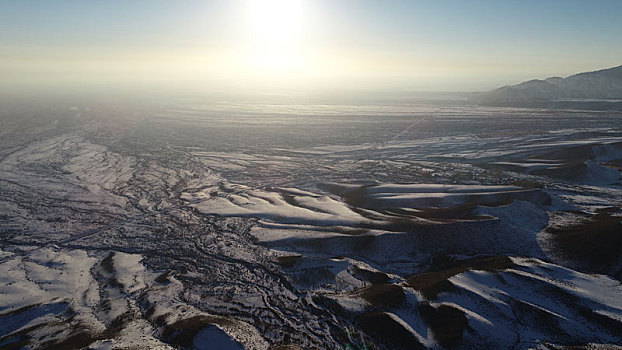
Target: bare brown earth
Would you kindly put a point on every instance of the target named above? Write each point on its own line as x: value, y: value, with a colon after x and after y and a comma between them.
x: 382, y: 326
x: 374, y: 277
x: 388, y: 295
x: 595, y: 243
x: 436, y: 281
x: 288, y: 260
x: 446, y: 322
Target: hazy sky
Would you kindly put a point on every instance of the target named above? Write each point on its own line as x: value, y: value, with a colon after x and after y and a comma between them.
x: 410, y: 44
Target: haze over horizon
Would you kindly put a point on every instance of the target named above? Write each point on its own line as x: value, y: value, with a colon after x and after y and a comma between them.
x: 300, y: 44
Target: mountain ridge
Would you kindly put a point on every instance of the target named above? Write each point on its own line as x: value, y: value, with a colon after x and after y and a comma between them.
x: 599, y: 90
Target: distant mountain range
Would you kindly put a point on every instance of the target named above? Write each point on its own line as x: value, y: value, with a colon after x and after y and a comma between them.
x: 598, y: 90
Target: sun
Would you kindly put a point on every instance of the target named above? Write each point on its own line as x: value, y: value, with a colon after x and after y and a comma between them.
x: 275, y: 21
x: 275, y: 33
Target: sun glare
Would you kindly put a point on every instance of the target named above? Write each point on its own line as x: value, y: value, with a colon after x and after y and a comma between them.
x: 275, y: 34
x: 275, y: 21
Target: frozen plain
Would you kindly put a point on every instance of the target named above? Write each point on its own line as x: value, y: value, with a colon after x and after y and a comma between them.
x: 266, y: 224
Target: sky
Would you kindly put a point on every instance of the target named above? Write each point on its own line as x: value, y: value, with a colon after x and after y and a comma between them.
x: 359, y: 44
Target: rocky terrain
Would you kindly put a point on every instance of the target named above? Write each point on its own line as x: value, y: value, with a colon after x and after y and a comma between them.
x: 296, y: 226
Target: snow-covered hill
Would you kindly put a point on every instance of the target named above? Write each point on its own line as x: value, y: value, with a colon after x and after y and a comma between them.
x: 600, y: 90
